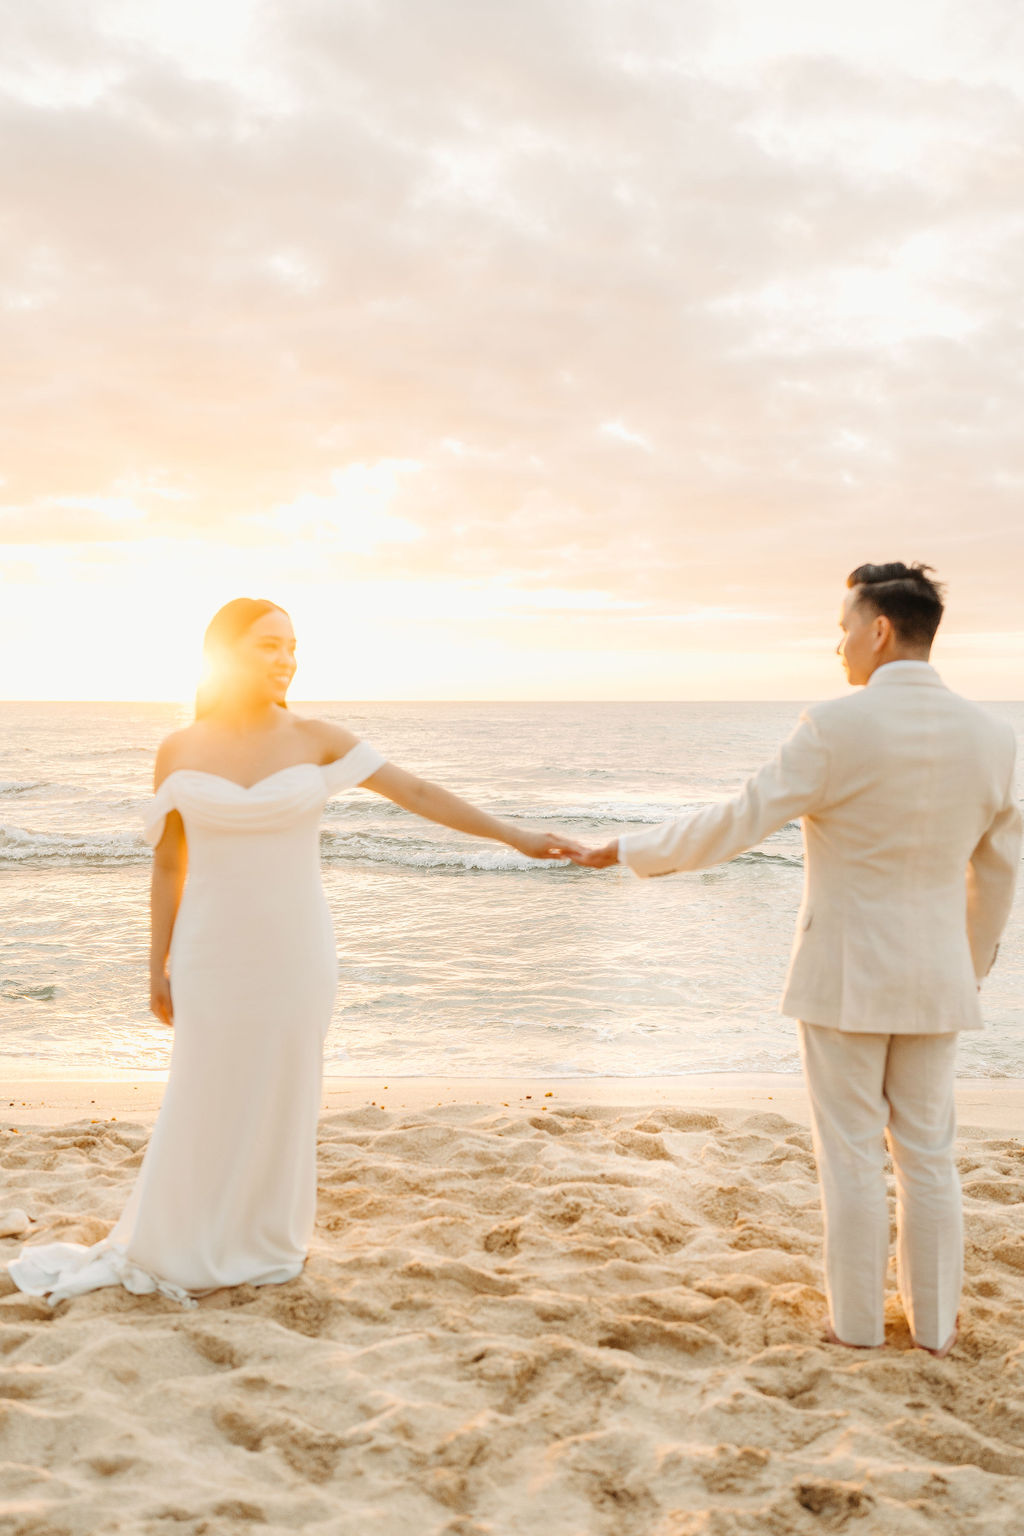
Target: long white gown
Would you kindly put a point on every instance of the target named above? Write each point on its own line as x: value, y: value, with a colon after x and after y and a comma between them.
x: 226, y: 1192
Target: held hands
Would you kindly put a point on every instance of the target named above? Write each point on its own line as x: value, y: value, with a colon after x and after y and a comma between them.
x: 597, y: 858
x: 542, y: 845
x: 552, y: 845
x: 160, y: 1002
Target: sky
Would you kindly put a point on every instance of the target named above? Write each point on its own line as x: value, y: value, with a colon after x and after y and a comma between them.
x: 562, y: 349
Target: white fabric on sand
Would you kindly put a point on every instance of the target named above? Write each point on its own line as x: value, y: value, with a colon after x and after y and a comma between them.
x: 227, y: 1191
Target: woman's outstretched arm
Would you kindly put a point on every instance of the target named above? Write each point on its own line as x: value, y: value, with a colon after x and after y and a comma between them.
x: 437, y: 804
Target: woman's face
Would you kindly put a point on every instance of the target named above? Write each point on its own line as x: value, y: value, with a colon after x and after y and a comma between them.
x: 264, y: 657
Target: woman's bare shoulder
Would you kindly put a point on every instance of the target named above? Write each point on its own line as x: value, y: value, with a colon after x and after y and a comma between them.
x: 171, y: 750
x: 327, y: 739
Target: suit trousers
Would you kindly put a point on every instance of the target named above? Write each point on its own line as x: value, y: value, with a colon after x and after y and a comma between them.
x: 865, y: 1089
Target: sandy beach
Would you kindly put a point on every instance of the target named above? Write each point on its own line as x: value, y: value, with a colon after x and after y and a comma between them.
x: 569, y: 1307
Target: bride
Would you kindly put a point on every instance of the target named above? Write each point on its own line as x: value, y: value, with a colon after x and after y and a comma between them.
x: 243, y: 964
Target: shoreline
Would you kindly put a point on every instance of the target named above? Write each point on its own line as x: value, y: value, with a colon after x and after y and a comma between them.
x: 983, y: 1104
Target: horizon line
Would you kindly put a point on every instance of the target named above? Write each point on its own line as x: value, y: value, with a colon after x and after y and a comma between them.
x: 792, y: 699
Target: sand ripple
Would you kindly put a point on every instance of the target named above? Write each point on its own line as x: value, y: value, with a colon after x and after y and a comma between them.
x: 570, y: 1322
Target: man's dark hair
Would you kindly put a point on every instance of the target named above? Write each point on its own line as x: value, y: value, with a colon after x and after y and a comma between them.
x: 906, y: 594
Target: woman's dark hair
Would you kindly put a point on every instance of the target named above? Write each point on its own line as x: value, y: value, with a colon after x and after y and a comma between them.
x: 905, y: 594
x: 223, y: 633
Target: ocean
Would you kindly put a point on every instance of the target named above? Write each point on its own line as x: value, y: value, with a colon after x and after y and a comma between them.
x: 457, y: 958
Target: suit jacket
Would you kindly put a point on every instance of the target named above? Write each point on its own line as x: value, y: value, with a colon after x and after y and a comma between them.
x: 912, y: 841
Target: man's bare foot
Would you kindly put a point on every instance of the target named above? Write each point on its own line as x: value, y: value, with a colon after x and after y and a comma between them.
x: 831, y: 1337
x: 940, y: 1354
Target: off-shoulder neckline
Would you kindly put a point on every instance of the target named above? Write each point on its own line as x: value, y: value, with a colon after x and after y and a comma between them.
x: 205, y: 773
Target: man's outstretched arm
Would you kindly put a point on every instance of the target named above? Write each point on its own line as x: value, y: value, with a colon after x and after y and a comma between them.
x: 793, y: 784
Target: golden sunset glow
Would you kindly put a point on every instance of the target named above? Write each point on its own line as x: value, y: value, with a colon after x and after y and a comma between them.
x: 518, y: 352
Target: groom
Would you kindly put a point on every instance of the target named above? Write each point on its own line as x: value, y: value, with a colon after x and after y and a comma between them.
x: 912, y: 838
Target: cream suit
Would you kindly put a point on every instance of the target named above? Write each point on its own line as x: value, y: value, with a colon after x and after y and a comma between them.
x: 912, y: 841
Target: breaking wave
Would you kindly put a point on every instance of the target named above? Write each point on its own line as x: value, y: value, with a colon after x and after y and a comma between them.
x: 402, y: 849
x: 17, y: 846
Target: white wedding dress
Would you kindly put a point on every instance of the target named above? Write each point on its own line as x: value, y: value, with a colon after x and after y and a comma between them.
x: 226, y: 1193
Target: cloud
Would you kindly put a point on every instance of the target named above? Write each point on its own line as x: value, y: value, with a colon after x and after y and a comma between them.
x: 665, y: 302
x: 619, y: 430
x: 354, y: 518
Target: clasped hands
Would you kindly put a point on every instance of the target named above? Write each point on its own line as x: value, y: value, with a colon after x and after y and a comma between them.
x: 549, y: 845
x: 595, y: 858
